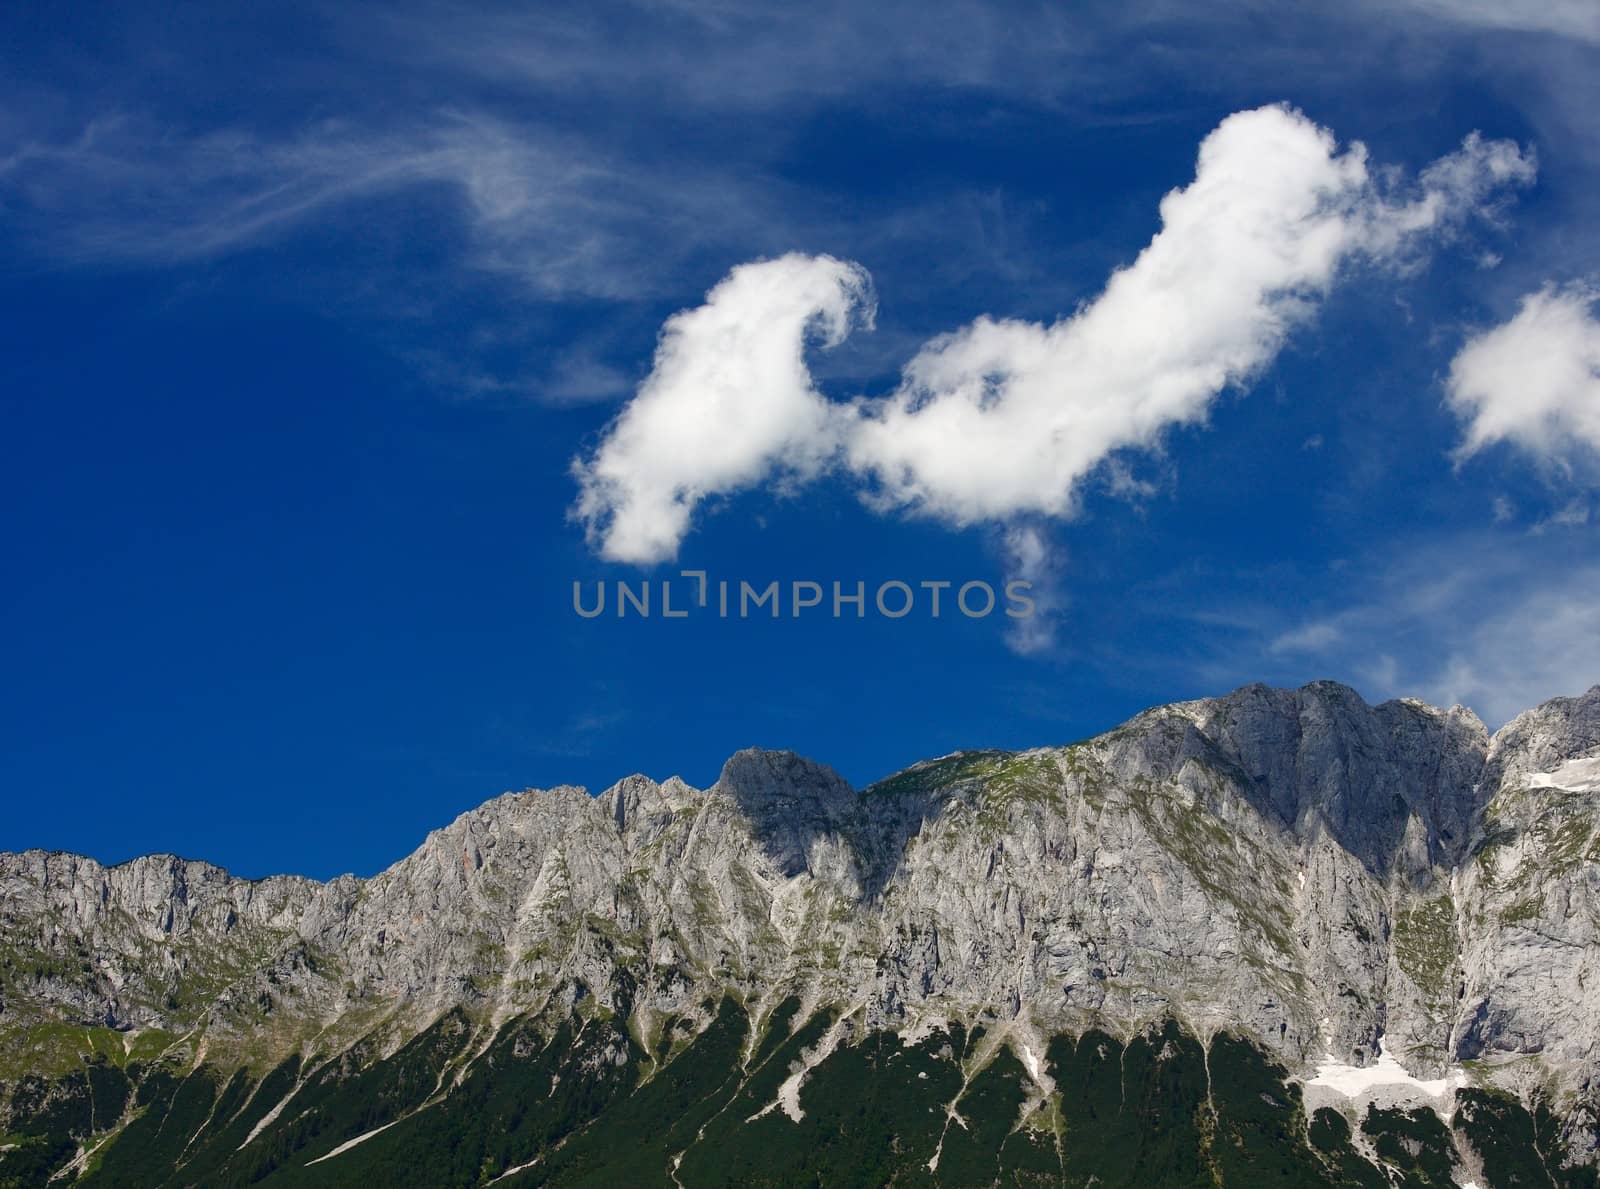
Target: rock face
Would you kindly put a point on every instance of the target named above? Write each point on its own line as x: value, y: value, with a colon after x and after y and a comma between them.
x: 1320, y: 875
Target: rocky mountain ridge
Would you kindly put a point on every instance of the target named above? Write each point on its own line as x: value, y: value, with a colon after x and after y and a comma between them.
x: 1327, y: 878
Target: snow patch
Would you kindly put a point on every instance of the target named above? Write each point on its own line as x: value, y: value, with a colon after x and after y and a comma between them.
x: 1385, y: 1081
x: 1030, y: 1045
x: 1575, y: 776
x: 1030, y: 1059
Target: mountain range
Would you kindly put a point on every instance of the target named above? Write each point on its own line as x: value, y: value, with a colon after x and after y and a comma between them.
x: 1276, y: 937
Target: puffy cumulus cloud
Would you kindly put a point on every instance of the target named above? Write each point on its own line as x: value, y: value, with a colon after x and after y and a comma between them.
x: 1533, y: 381
x: 1004, y: 420
x: 1004, y: 417
x: 728, y: 404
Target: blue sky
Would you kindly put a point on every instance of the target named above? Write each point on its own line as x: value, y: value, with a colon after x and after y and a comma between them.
x: 339, y: 343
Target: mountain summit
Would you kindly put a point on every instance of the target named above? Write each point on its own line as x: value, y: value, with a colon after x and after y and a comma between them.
x: 1280, y: 936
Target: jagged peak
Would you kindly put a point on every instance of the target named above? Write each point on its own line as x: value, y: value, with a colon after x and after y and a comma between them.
x: 1294, y: 700
x: 1281, y: 699
x: 42, y: 860
x: 1456, y: 711
x: 1565, y: 706
x: 1541, y: 737
x: 638, y: 797
x: 1336, y: 691
x: 511, y: 804
x: 1100, y: 887
x: 756, y: 774
x: 763, y: 780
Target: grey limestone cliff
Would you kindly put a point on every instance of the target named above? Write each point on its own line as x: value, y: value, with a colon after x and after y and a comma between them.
x: 1326, y: 876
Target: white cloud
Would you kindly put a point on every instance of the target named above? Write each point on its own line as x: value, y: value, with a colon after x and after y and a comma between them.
x: 1006, y: 419
x: 1572, y: 514
x: 1578, y: 19
x: 565, y: 217
x: 1544, y: 644
x: 1534, y: 381
x: 1031, y: 559
x: 728, y: 404
x: 1312, y: 637
x: 760, y: 56
x: 1499, y: 620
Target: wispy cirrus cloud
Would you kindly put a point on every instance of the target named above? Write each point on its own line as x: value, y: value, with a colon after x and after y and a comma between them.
x: 1031, y: 558
x: 760, y: 57
x: 1564, y: 18
x: 1497, y: 621
x: 617, y: 153
x: 747, y: 57
x: 562, y: 218
x: 457, y: 228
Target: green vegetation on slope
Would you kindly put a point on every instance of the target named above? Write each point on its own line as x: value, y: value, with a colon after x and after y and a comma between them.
x: 578, y: 1101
